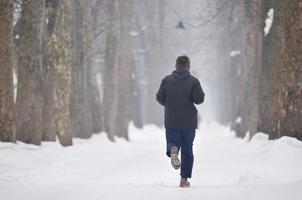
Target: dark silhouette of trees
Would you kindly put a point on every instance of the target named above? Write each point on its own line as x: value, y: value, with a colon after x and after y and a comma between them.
x: 83, y: 67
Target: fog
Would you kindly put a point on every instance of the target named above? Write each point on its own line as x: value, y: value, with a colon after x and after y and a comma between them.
x: 79, y: 118
x: 77, y: 67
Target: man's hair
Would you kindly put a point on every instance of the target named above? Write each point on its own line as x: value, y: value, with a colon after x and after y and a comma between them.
x: 182, y: 62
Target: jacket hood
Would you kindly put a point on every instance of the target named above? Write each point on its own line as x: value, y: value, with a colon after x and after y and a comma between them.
x: 181, y: 74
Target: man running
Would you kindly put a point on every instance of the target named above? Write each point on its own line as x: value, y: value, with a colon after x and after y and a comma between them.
x: 178, y: 93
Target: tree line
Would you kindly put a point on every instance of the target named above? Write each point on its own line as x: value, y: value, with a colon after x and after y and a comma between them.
x: 261, y: 83
x: 73, y: 68
x: 74, y: 65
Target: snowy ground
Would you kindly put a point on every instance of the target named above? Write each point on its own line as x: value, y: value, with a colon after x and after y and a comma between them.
x: 225, y: 168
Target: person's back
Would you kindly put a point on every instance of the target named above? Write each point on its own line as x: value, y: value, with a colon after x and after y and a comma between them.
x: 178, y: 93
x: 181, y: 91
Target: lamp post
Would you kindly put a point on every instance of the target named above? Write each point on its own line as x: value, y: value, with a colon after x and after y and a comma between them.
x: 180, y: 25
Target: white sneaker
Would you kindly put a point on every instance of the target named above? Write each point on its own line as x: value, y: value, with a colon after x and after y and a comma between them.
x: 174, y: 157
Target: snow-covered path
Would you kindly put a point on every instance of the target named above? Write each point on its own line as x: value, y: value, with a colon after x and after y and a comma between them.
x: 225, y: 168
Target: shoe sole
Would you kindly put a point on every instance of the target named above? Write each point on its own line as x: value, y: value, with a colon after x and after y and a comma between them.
x: 175, y: 162
x: 184, y: 186
x: 174, y: 158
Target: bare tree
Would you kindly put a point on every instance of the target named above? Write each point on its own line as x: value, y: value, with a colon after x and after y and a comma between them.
x: 48, y: 80
x: 109, y: 102
x: 79, y: 108
x: 123, y: 69
x: 7, y: 110
x: 155, y: 17
x: 60, y: 55
x: 280, y: 95
x: 249, y: 70
x: 92, y: 32
x: 29, y: 93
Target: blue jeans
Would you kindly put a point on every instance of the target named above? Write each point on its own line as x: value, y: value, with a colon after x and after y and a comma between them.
x: 183, y: 139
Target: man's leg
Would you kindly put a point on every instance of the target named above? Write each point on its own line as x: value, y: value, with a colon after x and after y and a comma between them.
x: 187, y: 157
x: 173, y: 139
x: 173, y: 145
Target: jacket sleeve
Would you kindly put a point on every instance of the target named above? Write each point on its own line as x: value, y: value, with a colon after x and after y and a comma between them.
x: 161, y: 94
x: 197, y: 93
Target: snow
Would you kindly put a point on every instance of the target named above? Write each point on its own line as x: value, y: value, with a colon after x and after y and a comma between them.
x: 269, y: 21
x: 235, y: 53
x: 134, y: 33
x: 238, y: 120
x: 225, y: 167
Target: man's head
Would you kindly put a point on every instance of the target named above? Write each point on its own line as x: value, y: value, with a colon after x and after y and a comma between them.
x: 182, y: 62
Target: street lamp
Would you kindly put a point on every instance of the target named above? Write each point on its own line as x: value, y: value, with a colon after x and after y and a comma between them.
x: 180, y: 25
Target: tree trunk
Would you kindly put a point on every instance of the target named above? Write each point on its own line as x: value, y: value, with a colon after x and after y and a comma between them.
x: 79, y: 108
x: 139, y: 79
x: 48, y: 120
x: 7, y: 110
x: 134, y: 99
x: 60, y: 54
x: 109, y: 102
x: 281, y: 96
x: 29, y: 93
x: 154, y: 67
x: 94, y: 101
x: 93, y: 93
x: 123, y: 70
x: 251, y: 55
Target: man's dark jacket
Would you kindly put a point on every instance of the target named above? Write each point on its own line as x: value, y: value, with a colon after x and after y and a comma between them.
x: 177, y: 93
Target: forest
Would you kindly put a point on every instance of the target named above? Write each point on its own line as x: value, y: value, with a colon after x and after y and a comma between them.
x: 74, y: 68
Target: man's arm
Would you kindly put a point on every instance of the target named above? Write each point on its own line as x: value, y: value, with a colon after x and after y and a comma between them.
x: 161, y: 94
x: 197, y: 93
